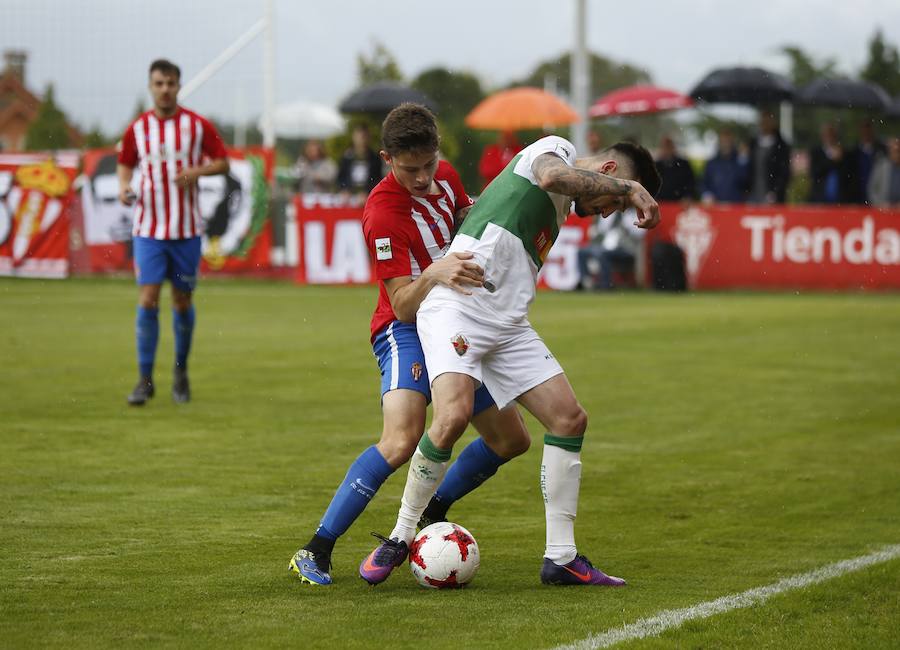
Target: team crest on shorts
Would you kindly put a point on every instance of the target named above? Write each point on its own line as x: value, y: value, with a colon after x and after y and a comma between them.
x: 460, y: 344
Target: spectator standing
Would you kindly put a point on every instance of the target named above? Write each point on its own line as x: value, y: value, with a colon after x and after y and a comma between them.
x: 831, y: 169
x: 678, y: 181
x: 867, y: 151
x: 770, y: 163
x: 884, y: 183
x: 359, y: 170
x: 496, y: 156
x: 726, y: 174
x: 316, y: 171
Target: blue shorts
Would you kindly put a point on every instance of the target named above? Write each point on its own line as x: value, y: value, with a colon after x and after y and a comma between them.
x: 401, y: 361
x: 177, y: 260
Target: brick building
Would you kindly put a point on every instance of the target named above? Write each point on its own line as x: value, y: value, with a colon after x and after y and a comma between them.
x: 18, y: 105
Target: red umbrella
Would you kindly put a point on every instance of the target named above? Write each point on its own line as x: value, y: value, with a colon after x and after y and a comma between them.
x: 635, y: 100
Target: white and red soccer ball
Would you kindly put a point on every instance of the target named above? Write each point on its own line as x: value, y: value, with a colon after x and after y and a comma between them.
x: 444, y: 556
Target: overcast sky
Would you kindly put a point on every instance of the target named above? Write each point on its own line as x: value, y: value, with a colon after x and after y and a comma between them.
x: 96, y: 52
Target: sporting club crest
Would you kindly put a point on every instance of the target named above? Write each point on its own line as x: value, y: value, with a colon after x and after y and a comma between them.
x: 460, y: 344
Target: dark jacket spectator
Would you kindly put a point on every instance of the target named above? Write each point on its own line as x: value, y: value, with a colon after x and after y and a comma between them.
x: 678, y: 180
x: 359, y: 170
x: 832, y: 170
x: 770, y: 164
x: 726, y: 174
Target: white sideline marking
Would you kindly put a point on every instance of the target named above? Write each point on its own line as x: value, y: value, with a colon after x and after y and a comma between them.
x: 673, y: 618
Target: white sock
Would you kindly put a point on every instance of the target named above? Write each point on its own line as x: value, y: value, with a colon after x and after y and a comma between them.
x: 421, y: 483
x: 560, y: 483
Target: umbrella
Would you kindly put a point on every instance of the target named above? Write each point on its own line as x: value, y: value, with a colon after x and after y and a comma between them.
x: 635, y: 100
x: 894, y: 110
x: 381, y: 97
x: 304, y: 119
x: 743, y: 86
x: 845, y: 93
x: 520, y: 108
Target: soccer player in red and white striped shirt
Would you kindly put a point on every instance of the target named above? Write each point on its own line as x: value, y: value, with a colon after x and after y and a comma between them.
x: 172, y: 147
x: 408, y: 221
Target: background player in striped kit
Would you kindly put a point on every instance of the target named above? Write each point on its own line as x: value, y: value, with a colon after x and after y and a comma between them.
x: 408, y: 222
x: 173, y: 147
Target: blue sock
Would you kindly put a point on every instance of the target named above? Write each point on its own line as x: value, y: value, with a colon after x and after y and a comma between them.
x: 147, y: 333
x: 183, y: 324
x: 362, y: 481
x: 476, y: 464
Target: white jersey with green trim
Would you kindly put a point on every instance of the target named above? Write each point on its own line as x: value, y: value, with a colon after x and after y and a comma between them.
x: 510, y: 230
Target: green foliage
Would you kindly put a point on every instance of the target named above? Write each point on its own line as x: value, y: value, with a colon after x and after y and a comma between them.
x: 457, y: 93
x: 379, y: 66
x: 49, y: 130
x: 96, y: 139
x: 734, y: 440
x: 883, y: 66
x: 606, y: 74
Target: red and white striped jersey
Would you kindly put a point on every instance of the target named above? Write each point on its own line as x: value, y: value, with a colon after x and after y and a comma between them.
x: 406, y: 233
x: 162, y: 148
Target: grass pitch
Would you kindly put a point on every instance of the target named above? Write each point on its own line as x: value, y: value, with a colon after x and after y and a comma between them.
x: 734, y: 440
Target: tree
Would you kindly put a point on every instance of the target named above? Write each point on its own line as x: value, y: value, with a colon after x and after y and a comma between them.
x: 883, y: 66
x: 456, y: 93
x: 49, y: 129
x: 606, y: 74
x: 380, y: 66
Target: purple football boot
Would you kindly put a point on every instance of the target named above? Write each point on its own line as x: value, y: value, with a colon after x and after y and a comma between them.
x: 579, y: 571
x: 378, y: 564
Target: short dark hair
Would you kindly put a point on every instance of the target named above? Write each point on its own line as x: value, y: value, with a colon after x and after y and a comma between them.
x: 166, y: 67
x: 409, y: 127
x: 642, y: 162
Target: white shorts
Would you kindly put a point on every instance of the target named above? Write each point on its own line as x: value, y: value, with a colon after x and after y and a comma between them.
x: 508, y: 359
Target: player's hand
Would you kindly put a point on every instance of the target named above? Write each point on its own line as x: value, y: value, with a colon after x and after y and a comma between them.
x: 186, y: 177
x: 646, y: 206
x: 127, y: 196
x: 458, y: 272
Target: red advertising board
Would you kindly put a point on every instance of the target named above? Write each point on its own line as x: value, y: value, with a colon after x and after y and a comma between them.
x: 35, y: 193
x: 333, y: 248
x: 775, y: 247
x: 234, y: 208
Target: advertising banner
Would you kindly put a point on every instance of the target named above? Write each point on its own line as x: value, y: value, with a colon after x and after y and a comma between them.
x: 784, y: 247
x: 35, y: 192
x: 233, y: 207
x: 333, y: 248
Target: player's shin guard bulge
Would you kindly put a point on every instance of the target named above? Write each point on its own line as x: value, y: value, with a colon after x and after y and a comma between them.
x: 560, y: 484
x: 426, y: 470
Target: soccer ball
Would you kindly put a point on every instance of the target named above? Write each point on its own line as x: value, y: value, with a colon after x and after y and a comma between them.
x: 444, y: 556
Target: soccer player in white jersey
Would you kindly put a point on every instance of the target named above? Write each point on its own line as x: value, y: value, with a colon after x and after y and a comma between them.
x: 172, y: 147
x: 485, y: 338
x: 408, y: 223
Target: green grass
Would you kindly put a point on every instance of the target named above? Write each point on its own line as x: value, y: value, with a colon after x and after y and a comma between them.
x: 735, y: 439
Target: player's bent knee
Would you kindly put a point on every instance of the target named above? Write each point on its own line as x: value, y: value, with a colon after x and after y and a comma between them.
x: 447, y: 428
x: 396, y: 453
x: 573, y: 423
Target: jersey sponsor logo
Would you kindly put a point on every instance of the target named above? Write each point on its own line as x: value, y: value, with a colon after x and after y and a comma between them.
x: 460, y: 344
x: 383, y: 249
x: 543, y: 243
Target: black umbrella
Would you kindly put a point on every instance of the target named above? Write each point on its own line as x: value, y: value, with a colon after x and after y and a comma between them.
x: 743, y: 86
x: 894, y: 110
x: 382, y: 97
x: 845, y: 93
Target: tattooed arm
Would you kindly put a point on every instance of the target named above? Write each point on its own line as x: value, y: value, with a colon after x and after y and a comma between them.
x: 554, y: 175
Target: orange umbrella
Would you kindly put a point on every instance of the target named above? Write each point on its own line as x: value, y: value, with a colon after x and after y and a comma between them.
x: 520, y: 108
